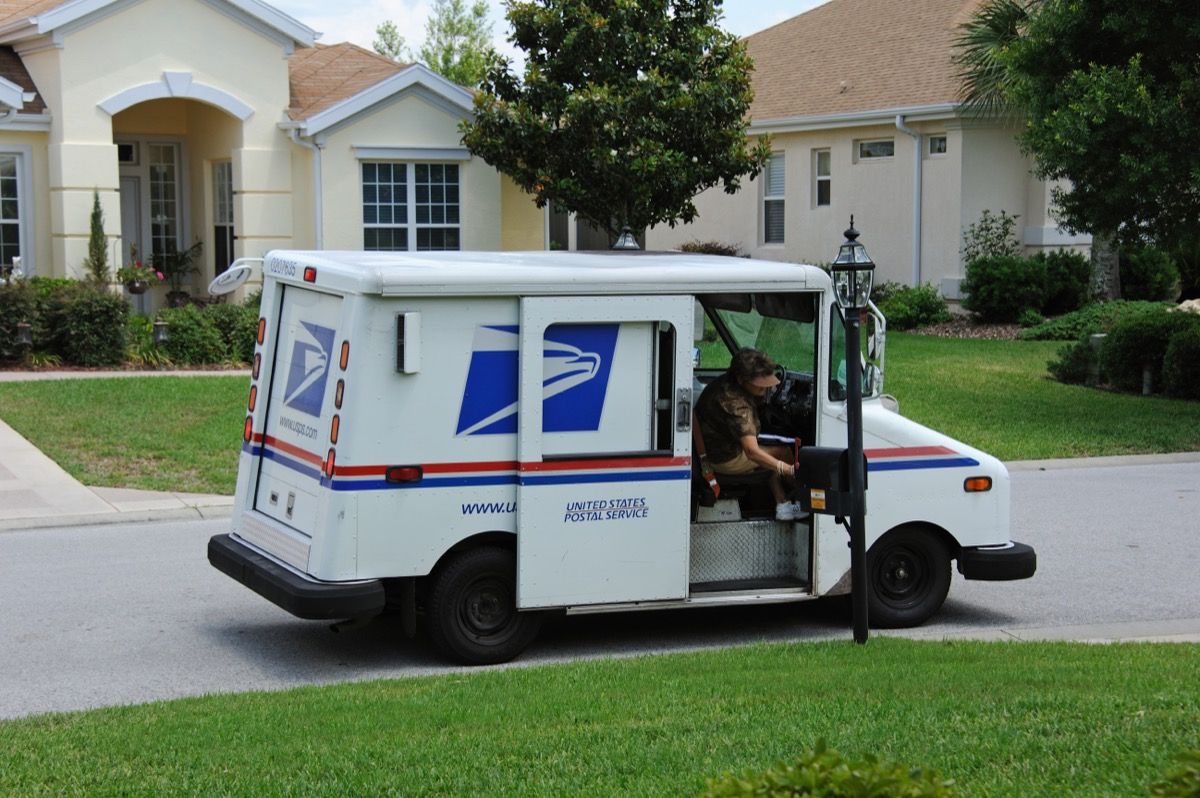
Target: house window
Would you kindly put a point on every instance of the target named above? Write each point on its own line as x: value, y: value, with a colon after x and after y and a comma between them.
x: 937, y: 145
x: 164, y: 203
x: 127, y: 153
x: 773, y: 197
x: 877, y: 148
x: 10, y: 208
x: 410, y: 206
x: 821, y: 176
x: 222, y: 215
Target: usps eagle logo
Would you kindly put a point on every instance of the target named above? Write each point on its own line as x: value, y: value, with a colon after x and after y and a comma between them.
x: 576, y: 362
x: 309, y: 368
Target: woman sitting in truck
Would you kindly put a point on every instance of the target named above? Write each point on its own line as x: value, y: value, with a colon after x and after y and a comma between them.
x: 727, y: 414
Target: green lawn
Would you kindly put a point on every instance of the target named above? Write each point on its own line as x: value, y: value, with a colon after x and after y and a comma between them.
x: 1001, y: 719
x: 157, y: 433
x: 184, y: 433
x: 997, y: 396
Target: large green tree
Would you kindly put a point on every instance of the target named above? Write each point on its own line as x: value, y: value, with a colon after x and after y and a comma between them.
x: 1108, y: 92
x: 458, y: 41
x: 389, y: 42
x: 625, y: 110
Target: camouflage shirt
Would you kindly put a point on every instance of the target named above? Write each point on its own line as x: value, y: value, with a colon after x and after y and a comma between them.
x: 726, y: 413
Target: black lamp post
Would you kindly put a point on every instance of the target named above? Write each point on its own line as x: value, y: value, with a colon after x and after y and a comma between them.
x: 852, y: 274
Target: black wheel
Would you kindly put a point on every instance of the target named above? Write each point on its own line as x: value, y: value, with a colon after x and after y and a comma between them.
x: 472, y: 609
x: 908, y: 577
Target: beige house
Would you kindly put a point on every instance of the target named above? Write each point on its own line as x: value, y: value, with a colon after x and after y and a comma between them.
x: 223, y: 122
x: 860, y: 100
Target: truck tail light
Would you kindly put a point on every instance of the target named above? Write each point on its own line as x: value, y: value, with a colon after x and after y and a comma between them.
x: 257, y: 365
x: 345, y: 358
x: 403, y: 474
x: 248, y: 430
x: 977, y: 484
x: 262, y: 330
x: 334, y: 427
x: 338, y: 393
x: 253, y: 397
x: 329, y: 461
x: 310, y: 274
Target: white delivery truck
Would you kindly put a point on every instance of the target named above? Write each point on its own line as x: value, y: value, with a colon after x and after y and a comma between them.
x: 473, y: 439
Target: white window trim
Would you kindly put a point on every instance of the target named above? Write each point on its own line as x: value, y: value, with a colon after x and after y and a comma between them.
x: 860, y: 158
x: 766, y: 197
x: 818, y: 177
x: 410, y: 200
x: 24, y: 154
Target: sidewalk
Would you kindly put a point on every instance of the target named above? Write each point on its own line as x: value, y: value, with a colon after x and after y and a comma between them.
x: 36, y: 492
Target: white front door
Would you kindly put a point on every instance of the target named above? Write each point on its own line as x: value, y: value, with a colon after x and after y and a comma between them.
x: 604, y: 448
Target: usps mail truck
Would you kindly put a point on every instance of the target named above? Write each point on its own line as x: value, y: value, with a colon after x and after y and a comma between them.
x: 472, y: 440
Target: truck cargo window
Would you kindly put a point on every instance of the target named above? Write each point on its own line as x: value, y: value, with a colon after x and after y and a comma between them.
x: 664, y: 382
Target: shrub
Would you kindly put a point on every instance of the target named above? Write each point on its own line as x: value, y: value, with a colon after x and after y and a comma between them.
x: 826, y: 774
x: 1139, y: 342
x: 711, y: 248
x: 1149, y: 273
x: 193, y: 337
x: 1183, y: 781
x: 1030, y: 318
x: 1087, y: 320
x: 906, y: 307
x: 1075, y: 362
x: 89, y: 326
x: 17, y: 304
x: 96, y: 262
x: 238, y: 326
x: 998, y: 288
x: 992, y: 236
x: 1067, y: 281
x: 1181, y: 378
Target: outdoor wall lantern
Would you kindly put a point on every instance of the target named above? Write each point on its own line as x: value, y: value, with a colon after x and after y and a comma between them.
x: 24, y: 334
x: 853, y: 271
x: 160, y: 332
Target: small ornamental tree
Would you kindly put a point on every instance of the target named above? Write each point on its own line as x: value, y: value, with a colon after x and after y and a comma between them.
x: 625, y: 110
x: 96, y: 263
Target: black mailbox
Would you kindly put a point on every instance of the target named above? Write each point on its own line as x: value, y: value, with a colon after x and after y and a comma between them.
x: 824, y: 477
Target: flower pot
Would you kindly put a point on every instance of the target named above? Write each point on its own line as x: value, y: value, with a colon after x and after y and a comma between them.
x: 137, y: 286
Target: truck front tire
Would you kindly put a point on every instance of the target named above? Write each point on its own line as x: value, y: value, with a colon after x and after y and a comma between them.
x: 908, y: 577
x: 471, y: 612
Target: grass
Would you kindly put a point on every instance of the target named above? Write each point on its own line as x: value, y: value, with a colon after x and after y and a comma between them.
x: 997, y: 396
x: 156, y: 433
x: 999, y: 718
x: 184, y: 433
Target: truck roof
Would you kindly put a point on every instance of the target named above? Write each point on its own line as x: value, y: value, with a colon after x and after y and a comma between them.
x: 544, y: 272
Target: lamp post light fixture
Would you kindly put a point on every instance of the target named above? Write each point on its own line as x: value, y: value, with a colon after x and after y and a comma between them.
x: 626, y: 240
x: 853, y: 271
x: 160, y: 332
x: 24, y: 334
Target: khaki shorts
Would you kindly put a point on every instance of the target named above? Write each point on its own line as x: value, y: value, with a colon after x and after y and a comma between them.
x: 738, y: 465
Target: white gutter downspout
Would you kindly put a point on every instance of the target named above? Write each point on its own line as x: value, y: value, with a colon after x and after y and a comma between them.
x: 318, y: 206
x: 916, y: 235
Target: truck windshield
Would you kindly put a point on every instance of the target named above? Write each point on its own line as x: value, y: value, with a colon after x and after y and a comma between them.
x: 781, y: 325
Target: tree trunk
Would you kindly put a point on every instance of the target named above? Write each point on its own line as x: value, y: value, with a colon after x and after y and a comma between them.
x: 1106, y: 267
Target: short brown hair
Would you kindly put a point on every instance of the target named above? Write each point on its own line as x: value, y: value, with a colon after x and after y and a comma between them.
x: 749, y: 363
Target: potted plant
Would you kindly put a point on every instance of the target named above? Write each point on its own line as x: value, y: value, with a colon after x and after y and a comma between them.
x: 138, y: 277
x: 176, y: 266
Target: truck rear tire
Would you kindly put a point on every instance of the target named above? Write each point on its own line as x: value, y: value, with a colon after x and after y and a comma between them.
x: 908, y: 577
x: 471, y: 612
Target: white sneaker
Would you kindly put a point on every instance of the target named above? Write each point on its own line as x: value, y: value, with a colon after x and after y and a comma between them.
x: 785, y: 511
x: 798, y: 512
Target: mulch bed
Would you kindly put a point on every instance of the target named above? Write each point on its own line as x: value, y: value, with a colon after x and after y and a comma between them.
x: 965, y: 328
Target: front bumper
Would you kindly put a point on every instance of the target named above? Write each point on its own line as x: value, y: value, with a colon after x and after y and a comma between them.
x: 998, y: 563
x: 304, y: 598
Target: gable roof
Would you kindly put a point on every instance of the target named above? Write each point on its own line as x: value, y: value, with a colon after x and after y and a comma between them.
x: 25, y: 19
x: 325, y: 75
x: 13, y: 70
x: 853, y: 56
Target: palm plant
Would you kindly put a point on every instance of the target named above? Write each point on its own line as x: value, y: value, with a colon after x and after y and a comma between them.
x: 981, y: 45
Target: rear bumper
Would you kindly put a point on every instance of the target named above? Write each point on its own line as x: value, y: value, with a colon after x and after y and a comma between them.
x: 998, y: 563
x: 304, y: 598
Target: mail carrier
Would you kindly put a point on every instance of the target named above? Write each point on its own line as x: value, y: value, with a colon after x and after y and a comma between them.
x: 472, y: 440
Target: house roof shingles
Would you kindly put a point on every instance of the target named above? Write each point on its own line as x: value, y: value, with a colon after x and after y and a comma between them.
x: 325, y: 75
x: 851, y: 56
x: 12, y: 10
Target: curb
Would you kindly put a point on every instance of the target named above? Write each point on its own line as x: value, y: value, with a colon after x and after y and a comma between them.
x: 205, y: 513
